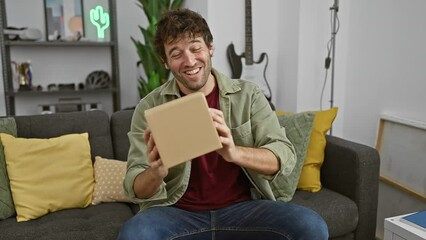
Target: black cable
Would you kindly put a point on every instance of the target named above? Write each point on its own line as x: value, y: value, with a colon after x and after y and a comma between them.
x: 266, y: 80
x: 323, y: 87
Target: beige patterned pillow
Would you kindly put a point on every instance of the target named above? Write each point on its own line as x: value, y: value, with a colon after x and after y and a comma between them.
x: 109, y: 176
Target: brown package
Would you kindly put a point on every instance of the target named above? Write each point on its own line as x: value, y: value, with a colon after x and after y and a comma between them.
x: 183, y: 129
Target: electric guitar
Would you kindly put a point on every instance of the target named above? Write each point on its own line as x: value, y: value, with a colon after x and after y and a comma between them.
x: 243, y: 66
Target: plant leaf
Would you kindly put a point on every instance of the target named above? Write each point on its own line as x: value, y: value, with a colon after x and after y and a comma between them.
x: 176, y: 4
x: 155, y: 72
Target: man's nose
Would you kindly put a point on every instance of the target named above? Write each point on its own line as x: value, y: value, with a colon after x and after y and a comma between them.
x: 189, y: 59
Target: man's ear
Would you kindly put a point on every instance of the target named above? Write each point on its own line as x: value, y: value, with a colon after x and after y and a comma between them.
x: 166, y: 66
x: 211, y: 50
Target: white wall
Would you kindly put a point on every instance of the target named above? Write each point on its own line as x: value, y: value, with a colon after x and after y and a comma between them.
x: 315, y: 33
x: 386, y: 65
x: 288, y: 57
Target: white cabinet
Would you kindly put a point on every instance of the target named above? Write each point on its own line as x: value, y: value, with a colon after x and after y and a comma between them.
x: 397, y: 230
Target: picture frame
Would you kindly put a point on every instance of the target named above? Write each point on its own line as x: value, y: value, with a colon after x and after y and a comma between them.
x: 400, y: 143
x: 64, y: 20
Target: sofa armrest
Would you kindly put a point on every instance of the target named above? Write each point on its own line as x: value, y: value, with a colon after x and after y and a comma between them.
x: 352, y: 170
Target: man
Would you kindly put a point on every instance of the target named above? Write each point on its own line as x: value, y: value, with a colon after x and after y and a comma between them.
x: 224, y: 194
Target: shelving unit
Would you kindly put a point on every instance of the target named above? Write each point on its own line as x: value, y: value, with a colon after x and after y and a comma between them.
x: 54, y: 49
x: 58, y: 92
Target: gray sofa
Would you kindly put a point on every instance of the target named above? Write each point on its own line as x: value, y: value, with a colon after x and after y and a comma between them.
x: 347, y: 202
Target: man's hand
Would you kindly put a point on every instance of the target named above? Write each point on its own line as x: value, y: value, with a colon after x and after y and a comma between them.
x: 260, y: 160
x: 148, y: 182
x: 158, y: 170
x: 229, y: 151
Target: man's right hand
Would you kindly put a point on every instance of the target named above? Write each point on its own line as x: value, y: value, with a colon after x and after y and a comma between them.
x: 157, y: 167
x: 148, y: 182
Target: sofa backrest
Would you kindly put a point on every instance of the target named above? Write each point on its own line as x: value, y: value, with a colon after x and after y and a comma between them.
x: 120, y: 126
x: 96, y: 123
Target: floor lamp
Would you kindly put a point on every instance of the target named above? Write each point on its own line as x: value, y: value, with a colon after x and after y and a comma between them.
x: 335, y: 19
x: 335, y: 29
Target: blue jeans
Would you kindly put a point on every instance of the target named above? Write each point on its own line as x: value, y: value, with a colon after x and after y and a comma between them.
x: 254, y: 219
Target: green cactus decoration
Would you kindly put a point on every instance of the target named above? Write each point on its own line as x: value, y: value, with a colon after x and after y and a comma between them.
x: 156, y: 73
x: 100, y: 19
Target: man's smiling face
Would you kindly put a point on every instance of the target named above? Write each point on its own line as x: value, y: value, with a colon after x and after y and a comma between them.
x: 189, y: 59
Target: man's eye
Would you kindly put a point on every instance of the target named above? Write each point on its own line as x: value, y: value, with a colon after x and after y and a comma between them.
x: 196, y: 49
x: 175, y: 56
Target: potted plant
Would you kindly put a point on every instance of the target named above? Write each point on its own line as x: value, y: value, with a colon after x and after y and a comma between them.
x: 156, y: 73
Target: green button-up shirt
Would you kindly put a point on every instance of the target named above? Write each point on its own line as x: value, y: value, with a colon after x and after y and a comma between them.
x: 252, y: 122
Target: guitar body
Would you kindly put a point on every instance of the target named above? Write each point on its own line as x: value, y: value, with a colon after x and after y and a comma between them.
x: 255, y: 72
x: 234, y: 61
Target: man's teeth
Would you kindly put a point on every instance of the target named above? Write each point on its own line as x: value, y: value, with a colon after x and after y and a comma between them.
x: 193, y: 71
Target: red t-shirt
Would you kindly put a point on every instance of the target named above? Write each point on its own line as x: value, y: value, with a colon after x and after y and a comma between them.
x: 214, y: 183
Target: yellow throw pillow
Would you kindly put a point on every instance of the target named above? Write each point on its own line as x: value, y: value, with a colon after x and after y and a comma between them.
x: 47, y: 175
x: 310, y: 176
x: 109, y: 176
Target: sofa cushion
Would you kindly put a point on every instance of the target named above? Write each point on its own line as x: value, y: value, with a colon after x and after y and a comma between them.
x: 310, y: 176
x: 47, y: 175
x: 339, y: 212
x: 97, y: 222
x: 96, y: 123
x: 109, y: 177
x: 120, y: 126
x: 7, y: 209
x: 298, y: 130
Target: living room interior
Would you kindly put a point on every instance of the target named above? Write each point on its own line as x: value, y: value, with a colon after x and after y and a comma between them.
x: 378, y: 67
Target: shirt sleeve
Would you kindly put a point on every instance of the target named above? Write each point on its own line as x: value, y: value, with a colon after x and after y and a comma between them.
x: 268, y: 134
x: 137, y: 161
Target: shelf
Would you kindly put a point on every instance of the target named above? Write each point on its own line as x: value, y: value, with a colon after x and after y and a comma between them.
x: 58, y: 92
x: 58, y: 44
x: 49, y: 55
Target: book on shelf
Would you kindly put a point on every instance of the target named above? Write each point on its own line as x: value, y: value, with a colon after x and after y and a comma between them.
x: 417, y: 220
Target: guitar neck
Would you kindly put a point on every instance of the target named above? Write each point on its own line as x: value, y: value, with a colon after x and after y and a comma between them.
x: 249, y: 35
x: 243, y: 66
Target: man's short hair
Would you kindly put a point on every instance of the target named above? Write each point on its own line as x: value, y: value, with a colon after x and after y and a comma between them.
x: 177, y: 24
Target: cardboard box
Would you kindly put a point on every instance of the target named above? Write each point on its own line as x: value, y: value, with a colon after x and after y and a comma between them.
x: 183, y: 129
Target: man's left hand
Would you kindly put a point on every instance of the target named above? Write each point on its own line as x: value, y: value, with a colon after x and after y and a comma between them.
x: 229, y: 151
